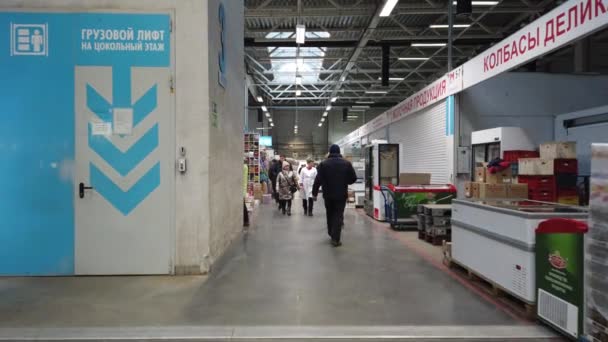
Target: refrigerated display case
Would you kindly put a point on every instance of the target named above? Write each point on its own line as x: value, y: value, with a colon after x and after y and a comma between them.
x: 496, y: 239
x: 491, y: 143
x: 381, y: 169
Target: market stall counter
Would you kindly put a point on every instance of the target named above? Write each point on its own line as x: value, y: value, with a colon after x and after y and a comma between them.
x: 496, y: 239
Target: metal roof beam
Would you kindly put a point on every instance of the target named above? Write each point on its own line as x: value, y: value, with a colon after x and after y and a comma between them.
x: 463, y: 32
x: 324, y: 83
x: 411, y: 30
x: 476, y: 10
x: 341, y: 91
x: 364, y: 12
x: 373, y: 60
x: 470, y: 39
x: 315, y: 107
x: 300, y: 98
x: 339, y: 71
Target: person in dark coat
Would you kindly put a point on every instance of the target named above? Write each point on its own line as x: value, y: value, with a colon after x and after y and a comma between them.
x: 334, y: 175
x: 275, y: 168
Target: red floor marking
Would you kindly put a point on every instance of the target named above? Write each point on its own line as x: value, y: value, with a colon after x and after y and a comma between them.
x: 428, y: 258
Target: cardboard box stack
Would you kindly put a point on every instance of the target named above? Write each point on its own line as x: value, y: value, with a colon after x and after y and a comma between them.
x: 494, y: 185
x: 513, y: 157
x: 257, y: 191
x: 414, y: 178
x: 553, y: 176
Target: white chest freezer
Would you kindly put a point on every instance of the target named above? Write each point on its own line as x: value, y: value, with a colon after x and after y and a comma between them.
x: 496, y: 239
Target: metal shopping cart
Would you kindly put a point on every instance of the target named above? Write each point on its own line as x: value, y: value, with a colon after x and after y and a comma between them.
x: 401, y: 202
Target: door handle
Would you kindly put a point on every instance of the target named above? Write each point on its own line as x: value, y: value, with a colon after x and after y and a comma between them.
x: 82, y: 188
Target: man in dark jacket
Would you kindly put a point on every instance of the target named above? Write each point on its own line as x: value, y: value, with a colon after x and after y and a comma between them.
x: 275, y: 169
x: 334, y: 174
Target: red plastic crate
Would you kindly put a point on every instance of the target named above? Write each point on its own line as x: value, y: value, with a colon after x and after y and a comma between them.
x: 567, y: 192
x: 542, y: 190
x: 543, y: 193
x: 566, y: 180
x: 565, y: 166
x: 543, y: 198
x: 514, y: 155
x: 546, y: 183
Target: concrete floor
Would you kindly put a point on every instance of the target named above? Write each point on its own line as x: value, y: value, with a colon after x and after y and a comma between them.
x: 282, y: 273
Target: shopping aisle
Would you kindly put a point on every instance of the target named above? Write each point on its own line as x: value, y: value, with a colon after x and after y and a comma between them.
x: 283, y: 272
x: 286, y: 272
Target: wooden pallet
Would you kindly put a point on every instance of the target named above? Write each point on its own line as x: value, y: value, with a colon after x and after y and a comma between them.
x: 405, y: 224
x: 518, y: 305
x: 436, y: 240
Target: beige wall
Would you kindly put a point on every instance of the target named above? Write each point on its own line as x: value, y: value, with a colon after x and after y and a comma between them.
x: 226, y: 140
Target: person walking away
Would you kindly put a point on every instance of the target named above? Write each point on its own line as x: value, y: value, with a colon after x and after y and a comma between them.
x: 275, y: 170
x: 334, y: 175
x: 245, y: 185
x: 300, y: 169
x: 287, y: 185
x: 307, y: 181
x: 264, y: 174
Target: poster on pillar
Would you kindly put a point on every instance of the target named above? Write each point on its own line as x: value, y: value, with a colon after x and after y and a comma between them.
x: 91, y: 110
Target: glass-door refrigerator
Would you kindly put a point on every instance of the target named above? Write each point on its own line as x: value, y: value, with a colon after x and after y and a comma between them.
x: 491, y: 143
x: 381, y: 169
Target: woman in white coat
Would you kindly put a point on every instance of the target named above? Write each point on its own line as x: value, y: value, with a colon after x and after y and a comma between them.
x: 307, y: 179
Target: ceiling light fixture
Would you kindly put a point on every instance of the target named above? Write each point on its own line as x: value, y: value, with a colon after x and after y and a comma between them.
x: 264, y: 108
x: 325, y: 114
x: 270, y: 119
x: 428, y: 44
x: 300, y: 34
x: 393, y: 78
x: 322, y: 119
x: 413, y: 58
x: 260, y: 99
x: 444, y: 26
x: 320, y: 124
x: 357, y: 110
x: 267, y: 114
x: 271, y: 124
x: 328, y: 108
x: 298, y: 80
x: 388, y: 8
x: 334, y: 99
x: 298, y: 92
x: 482, y: 3
x: 376, y: 91
x: 364, y: 102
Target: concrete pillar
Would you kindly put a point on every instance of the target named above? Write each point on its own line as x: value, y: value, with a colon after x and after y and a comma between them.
x: 582, y: 56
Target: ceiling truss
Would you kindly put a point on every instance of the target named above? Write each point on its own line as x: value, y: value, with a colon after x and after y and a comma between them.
x: 352, y: 61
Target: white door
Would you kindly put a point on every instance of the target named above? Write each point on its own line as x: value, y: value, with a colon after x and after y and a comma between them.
x: 124, y: 223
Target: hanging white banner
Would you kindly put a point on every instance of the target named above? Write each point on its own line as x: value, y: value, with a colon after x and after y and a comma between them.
x: 572, y: 20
